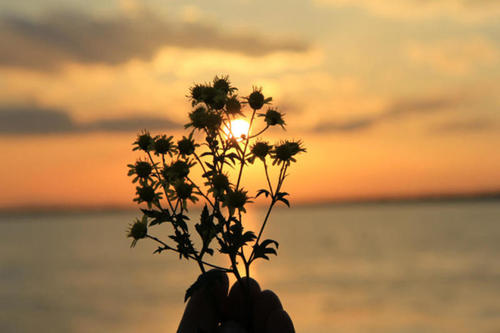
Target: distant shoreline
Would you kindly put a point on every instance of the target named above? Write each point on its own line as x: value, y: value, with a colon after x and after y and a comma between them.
x: 421, y: 199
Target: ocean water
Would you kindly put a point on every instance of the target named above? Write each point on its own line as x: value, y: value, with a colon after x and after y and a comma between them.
x: 421, y: 267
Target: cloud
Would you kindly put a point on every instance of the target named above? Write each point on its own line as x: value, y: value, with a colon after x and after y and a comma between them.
x: 36, y: 120
x: 454, y: 56
x: 66, y: 37
x: 397, y: 110
x: 473, y: 125
x: 465, y: 10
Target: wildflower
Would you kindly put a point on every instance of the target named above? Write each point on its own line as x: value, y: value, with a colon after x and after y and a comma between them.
x: 256, y: 99
x: 233, y: 106
x: 236, y: 200
x: 259, y: 150
x: 142, y: 170
x: 199, y: 118
x: 208, y: 95
x: 138, y: 230
x: 163, y: 145
x: 147, y: 193
x: 286, y: 150
x: 273, y: 117
x: 214, y: 121
x: 219, y: 184
x: 144, y: 141
x: 186, y: 146
x: 222, y: 85
x: 197, y: 93
x: 183, y: 189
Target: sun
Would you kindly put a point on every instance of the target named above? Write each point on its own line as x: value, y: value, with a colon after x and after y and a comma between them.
x: 238, y: 129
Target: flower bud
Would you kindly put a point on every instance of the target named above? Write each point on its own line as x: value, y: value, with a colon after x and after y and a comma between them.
x: 256, y: 100
x: 186, y: 146
x: 233, y: 106
x: 143, y: 169
x: 260, y: 150
x: 273, y: 117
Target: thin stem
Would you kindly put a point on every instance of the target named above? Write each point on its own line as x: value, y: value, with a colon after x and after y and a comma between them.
x: 190, y: 256
x: 201, y: 192
x: 158, y: 175
x: 259, y: 133
x: 201, y: 163
x: 245, y: 149
x: 267, y: 177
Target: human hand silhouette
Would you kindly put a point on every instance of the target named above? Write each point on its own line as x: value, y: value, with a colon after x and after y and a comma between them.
x: 212, y: 310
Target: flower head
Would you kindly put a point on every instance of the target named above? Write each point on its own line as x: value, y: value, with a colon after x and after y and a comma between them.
x: 219, y: 184
x: 186, y: 146
x: 223, y: 85
x: 273, y: 117
x: 142, y: 170
x: 183, y: 190
x: 144, y: 141
x: 198, y: 117
x: 285, y: 151
x: 260, y: 150
x: 147, y: 193
x: 196, y: 93
x: 236, y: 199
x: 138, y: 230
x: 233, y: 106
x: 177, y: 170
x: 256, y: 100
x: 163, y: 145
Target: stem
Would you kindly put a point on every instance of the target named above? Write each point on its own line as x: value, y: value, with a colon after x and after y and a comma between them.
x: 201, y: 192
x: 190, y: 256
x: 267, y: 177
x: 158, y: 175
x: 259, y: 133
x: 245, y: 149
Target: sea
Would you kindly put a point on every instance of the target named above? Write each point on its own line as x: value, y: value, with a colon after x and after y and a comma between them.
x: 376, y: 267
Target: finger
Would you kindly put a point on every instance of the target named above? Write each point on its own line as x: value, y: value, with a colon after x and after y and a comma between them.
x: 203, y: 310
x: 237, y: 306
x: 279, y: 322
x: 266, y: 303
x: 231, y: 327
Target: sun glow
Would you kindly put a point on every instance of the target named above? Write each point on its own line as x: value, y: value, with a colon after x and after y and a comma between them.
x: 238, y: 129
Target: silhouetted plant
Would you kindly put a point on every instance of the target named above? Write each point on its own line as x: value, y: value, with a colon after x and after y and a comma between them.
x: 167, y: 189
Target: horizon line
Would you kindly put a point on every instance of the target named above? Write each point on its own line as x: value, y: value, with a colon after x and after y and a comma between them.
x: 423, y: 198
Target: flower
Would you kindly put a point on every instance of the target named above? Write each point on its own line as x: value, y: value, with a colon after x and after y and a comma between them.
x: 273, y: 117
x: 138, y: 230
x: 163, y: 145
x: 198, y: 117
x: 236, y: 199
x: 186, y: 146
x: 144, y: 141
x: 218, y: 184
x: 177, y: 170
x: 233, y: 106
x: 256, y: 99
x: 142, y: 170
x: 223, y: 85
x: 183, y: 189
x: 285, y: 151
x: 147, y: 193
x: 259, y: 150
x: 196, y: 93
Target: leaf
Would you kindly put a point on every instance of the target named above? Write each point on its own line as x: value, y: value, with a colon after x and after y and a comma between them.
x: 280, y: 196
x: 263, y: 249
x: 262, y: 191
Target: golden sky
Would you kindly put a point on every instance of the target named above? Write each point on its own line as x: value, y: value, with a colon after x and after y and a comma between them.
x: 391, y: 97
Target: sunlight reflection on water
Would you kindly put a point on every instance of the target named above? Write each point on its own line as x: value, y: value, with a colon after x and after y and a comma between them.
x: 359, y: 268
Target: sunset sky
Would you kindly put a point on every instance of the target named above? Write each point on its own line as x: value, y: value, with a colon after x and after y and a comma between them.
x: 391, y: 97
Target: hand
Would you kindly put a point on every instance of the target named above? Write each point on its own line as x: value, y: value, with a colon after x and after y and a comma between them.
x: 211, y: 310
